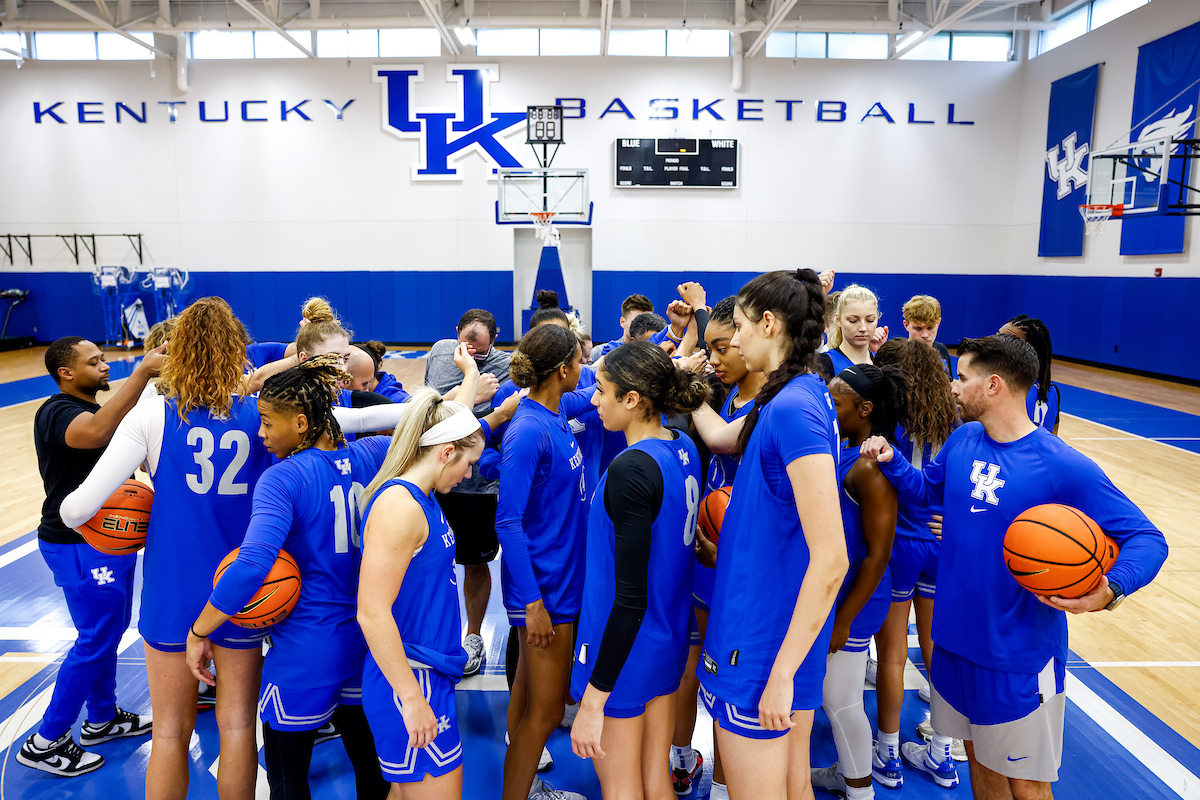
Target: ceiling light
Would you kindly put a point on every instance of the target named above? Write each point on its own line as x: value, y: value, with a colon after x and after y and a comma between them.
x: 465, y: 36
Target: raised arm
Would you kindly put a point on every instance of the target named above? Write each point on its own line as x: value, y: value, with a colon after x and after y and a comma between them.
x: 91, y: 431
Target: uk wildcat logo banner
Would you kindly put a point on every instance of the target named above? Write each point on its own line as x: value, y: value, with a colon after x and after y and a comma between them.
x: 1068, y: 139
x: 1165, y: 95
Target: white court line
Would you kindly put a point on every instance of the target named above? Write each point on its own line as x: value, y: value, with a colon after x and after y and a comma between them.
x: 1134, y: 435
x: 18, y: 552
x: 36, y: 634
x: 1134, y: 664
x: 1129, y: 736
x: 1131, y: 438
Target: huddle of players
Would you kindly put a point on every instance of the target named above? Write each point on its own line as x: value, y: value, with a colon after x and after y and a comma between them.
x: 801, y: 583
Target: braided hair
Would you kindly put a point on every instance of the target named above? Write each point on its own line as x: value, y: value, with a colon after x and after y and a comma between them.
x: 1038, y: 336
x: 799, y: 301
x: 311, y: 389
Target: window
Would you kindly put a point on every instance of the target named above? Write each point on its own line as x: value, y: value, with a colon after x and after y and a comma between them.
x: 64, y: 46
x: 981, y: 47
x: 117, y: 48
x: 781, y: 44
x: 223, y: 44
x: 812, y: 45
x: 570, y: 42
x: 348, y: 44
x: 858, y: 45
x: 507, y: 42
x: 796, y: 45
x: 1105, y: 11
x: 637, y: 43
x: 935, y: 48
x: 269, y: 44
x: 1072, y: 26
x: 11, y: 41
x: 409, y: 42
x: 698, y: 43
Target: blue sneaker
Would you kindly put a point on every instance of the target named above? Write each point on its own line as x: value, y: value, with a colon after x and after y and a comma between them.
x: 944, y: 774
x: 888, y: 773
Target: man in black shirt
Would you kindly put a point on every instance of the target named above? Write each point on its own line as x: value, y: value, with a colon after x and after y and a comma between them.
x: 71, y: 431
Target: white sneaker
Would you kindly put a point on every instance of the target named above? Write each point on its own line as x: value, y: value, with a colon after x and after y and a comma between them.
x: 923, y: 692
x: 473, y: 644
x: 958, y: 750
x: 546, y: 762
x: 544, y: 791
x: 63, y: 758
x: 830, y: 779
x: 872, y: 671
x: 124, y: 724
x: 944, y: 773
x: 569, y: 716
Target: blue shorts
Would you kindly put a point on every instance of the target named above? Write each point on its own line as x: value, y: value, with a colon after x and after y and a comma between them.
x: 516, y: 618
x: 306, y: 708
x: 870, y: 619
x: 399, y: 762
x: 702, y: 587
x: 987, y: 696
x: 229, y: 636
x: 914, y: 568
x: 742, y: 721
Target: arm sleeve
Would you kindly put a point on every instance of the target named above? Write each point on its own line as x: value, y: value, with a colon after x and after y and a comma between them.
x: 365, y: 399
x: 489, y: 464
x: 701, y: 324
x: 578, y: 402
x: 632, y: 497
x: 523, y: 447
x: 135, y: 438
x: 1143, y: 547
x: 270, y: 522
x: 372, y: 418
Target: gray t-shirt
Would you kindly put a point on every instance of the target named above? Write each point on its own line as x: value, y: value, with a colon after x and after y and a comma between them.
x: 442, y: 375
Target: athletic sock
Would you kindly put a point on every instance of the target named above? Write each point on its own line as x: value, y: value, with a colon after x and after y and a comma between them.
x: 939, y: 748
x: 41, y: 742
x: 683, y: 757
x: 889, y: 745
x: 860, y: 793
x: 719, y: 792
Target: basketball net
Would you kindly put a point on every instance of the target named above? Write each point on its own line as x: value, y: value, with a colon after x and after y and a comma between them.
x: 543, y: 225
x: 1095, y: 216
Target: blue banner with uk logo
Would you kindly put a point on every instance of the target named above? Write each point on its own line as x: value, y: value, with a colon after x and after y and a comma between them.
x: 1068, y: 139
x: 1164, y: 104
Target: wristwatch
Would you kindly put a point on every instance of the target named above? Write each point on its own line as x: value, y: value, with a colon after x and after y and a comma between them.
x: 1118, y: 596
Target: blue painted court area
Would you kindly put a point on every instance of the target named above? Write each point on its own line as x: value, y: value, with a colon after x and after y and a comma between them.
x: 1153, y: 422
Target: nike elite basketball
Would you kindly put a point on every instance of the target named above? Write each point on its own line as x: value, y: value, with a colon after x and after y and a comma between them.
x: 1058, y: 550
x: 119, y: 527
x: 277, y: 597
x: 712, y: 512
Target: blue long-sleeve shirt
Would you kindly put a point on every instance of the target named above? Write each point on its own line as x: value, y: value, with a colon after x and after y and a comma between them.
x: 982, y: 613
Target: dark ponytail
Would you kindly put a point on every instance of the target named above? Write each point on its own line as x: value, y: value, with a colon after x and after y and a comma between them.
x: 543, y: 351
x: 548, y: 310
x: 646, y: 369
x: 1038, y: 336
x: 799, y: 301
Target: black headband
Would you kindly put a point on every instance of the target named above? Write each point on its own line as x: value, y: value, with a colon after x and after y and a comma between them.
x: 854, y: 377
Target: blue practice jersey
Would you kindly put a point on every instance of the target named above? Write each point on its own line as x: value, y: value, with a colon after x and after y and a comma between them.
x: 1044, y: 414
x: 307, y: 505
x: 660, y: 650
x: 426, y: 609
x: 205, y: 478
x: 856, y: 547
x: 763, y: 553
x: 982, y: 613
x: 584, y: 419
x: 390, y: 388
x: 260, y: 354
x: 912, y: 518
x: 541, y: 519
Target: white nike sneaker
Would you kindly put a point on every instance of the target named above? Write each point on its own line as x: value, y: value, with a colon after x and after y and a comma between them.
x: 923, y: 692
x: 830, y: 779
x: 63, y: 758
x: 123, y: 725
x: 544, y: 791
x: 473, y: 644
x: 546, y: 762
x: 958, y: 751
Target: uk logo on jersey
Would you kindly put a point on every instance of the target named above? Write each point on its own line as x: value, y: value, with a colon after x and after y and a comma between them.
x: 447, y: 134
x: 102, y: 576
x: 986, y: 483
x: 343, y: 465
x: 683, y: 456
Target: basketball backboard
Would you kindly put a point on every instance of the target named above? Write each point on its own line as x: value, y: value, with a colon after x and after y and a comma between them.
x: 524, y: 191
x: 1131, y: 175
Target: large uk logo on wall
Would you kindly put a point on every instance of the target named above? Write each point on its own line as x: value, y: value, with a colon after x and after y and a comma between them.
x: 446, y: 135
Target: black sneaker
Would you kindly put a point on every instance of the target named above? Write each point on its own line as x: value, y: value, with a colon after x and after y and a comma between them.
x: 327, y: 733
x: 63, y: 758
x: 122, y: 725
x: 207, y: 699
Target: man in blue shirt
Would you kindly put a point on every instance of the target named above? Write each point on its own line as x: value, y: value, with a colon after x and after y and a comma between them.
x: 999, y: 661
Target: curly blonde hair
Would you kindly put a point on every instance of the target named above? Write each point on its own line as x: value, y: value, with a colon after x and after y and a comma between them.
x: 932, y: 411
x: 206, y: 365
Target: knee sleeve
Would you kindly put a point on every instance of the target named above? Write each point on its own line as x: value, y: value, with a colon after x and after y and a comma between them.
x: 288, y: 755
x: 843, y: 704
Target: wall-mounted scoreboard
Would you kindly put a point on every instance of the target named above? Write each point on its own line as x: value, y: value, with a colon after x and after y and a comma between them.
x: 674, y: 163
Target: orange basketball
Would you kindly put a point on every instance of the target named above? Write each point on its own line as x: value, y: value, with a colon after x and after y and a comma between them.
x: 712, y: 512
x: 277, y: 597
x: 1058, y: 550
x: 119, y: 527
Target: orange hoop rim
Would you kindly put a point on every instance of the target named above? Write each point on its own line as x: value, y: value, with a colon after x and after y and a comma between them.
x: 1116, y: 209
x: 542, y: 216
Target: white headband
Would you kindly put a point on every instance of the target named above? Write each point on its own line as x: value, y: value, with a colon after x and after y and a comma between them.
x: 457, y: 426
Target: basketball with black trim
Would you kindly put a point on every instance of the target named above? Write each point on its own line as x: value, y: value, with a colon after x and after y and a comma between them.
x: 1056, y: 550
x: 119, y: 528
x: 712, y: 512
x: 275, y: 599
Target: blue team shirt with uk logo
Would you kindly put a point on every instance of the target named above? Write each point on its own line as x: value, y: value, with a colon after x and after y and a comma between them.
x: 982, y: 613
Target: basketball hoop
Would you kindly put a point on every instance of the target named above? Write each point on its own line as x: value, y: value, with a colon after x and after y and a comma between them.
x: 542, y: 223
x: 1094, y: 217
